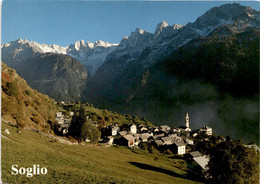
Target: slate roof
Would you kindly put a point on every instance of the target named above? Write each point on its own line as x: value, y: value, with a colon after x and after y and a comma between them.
x: 122, y: 133
x: 179, y: 144
x: 158, y: 135
x: 129, y: 137
x: 195, y: 154
x: 173, y: 135
x: 110, y: 137
x: 202, y: 161
x: 166, y: 139
x: 159, y: 142
x: 144, y: 136
x: 164, y: 127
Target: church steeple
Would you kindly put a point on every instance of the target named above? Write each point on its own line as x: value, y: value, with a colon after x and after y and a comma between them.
x: 187, y: 122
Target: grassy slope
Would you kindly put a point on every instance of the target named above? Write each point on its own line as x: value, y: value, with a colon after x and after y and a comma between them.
x: 108, y: 116
x: 84, y: 164
x: 23, y: 105
x: 115, y: 117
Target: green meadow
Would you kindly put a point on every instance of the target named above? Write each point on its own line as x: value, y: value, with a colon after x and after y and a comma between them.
x: 85, y: 163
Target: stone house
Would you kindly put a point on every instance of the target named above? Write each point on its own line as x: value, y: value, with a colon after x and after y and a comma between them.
x: 109, y: 140
x: 164, y: 128
x: 206, y: 130
x: 143, y: 130
x: 155, y: 129
x: 167, y: 140
x: 198, y: 163
x: 133, y: 129
x: 128, y: 140
x: 189, y: 141
x: 114, y: 130
x: 158, y: 143
x: 179, y: 148
x: 155, y: 137
x: 144, y: 136
x: 59, y: 118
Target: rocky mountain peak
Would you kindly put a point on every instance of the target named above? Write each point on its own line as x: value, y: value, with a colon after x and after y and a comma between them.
x: 227, y: 14
x: 138, y: 31
x: 104, y: 44
x: 79, y: 45
x: 22, y: 41
x: 138, y: 39
x: 177, y: 26
x: 160, y: 27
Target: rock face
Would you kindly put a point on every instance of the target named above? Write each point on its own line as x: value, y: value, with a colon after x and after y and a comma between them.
x: 54, y: 73
x: 91, y: 55
x: 134, y: 55
x: 60, y: 76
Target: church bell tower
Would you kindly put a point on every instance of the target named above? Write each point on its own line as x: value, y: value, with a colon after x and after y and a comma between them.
x: 187, y: 122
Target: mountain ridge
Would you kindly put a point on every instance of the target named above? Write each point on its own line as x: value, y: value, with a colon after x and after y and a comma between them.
x: 127, y: 80
x: 91, y: 55
x: 124, y: 66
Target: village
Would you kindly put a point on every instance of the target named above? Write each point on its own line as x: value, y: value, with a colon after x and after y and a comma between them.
x: 179, y: 141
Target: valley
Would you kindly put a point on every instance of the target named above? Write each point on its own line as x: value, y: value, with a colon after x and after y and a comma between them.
x: 177, y: 105
x: 208, y: 68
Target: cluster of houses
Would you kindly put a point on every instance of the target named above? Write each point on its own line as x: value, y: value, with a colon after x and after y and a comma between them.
x: 132, y: 135
x: 63, y: 122
x: 175, y: 139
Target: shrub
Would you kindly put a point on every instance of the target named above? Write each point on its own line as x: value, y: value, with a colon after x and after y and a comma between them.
x: 11, y: 89
x: 94, y: 117
x: 36, y: 119
x: 90, y: 131
x: 232, y: 162
x: 20, y: 121
x: 106, y: 112
x: 28, y: 92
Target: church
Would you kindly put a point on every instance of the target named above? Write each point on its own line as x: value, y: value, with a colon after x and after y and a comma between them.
x: 186, y: 127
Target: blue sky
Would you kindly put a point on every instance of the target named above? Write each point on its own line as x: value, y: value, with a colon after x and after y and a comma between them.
x: 64, y: 22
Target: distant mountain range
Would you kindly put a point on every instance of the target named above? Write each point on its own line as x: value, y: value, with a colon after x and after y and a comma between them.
x: 91, y: 55
x: 203, y: 67
x: 117, y: 79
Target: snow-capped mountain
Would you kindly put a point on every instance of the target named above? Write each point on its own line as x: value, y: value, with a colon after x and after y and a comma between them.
x: 164, y: 30
x: 157, y: 74
x: 206, y: 67
x: 236, y: 17
x: 132, y: 58
x: 91, y: 55
x: 110, y: 64
x: 136, y: 41
x: 144, y: 49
